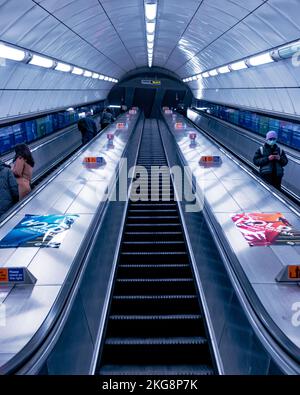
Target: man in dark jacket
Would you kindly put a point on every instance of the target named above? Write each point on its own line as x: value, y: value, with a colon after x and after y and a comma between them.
x: 107, y: 118
x: 8, y: 188
x: 271, y: 159
x: 88, y: 128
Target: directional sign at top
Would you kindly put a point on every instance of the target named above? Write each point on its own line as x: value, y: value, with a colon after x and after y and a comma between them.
x: 151, y: 82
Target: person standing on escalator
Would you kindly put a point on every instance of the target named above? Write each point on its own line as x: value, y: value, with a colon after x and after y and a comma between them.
x: 22, y: 168
x: 107, y: 118
x: 271, y: 160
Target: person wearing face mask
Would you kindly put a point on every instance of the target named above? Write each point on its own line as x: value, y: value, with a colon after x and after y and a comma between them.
x: 271, y: 160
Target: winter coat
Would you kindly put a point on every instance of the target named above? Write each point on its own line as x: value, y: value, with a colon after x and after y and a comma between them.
x: 23, y: 173
x: 107, y: 117
x: 266, y: 166
x: 88, y: 129
x: 8, y: 188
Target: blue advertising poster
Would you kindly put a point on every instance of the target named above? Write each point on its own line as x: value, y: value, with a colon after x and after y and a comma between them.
x: 39, y: 231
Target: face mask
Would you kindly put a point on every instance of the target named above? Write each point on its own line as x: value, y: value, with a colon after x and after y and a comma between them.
x: 271, y: 142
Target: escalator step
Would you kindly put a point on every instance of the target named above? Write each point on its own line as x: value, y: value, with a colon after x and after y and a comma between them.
x: 116, y: 341
x: 151, y: 286
x: 154, y: 270
x: 155, y: 304
x: 161, y: 325
x: 153, y: 246
x: 159, y: 370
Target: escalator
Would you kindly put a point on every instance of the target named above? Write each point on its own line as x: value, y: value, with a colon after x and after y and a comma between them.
x: 155, y: 323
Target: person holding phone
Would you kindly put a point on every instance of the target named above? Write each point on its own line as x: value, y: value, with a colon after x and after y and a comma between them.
x: 271, y: 160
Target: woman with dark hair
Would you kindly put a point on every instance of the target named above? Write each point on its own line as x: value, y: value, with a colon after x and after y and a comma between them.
x: 22, y: 169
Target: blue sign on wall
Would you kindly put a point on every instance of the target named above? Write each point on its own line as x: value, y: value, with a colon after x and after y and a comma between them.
x: 16, y: 275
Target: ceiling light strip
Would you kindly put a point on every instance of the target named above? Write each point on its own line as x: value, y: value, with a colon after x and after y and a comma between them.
x: 280, y: 53
x: 11, y: 52
x: 150, y: 21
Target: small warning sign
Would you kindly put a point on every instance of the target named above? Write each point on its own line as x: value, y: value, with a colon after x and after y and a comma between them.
x: 3, y: 275
x: 294, y: 272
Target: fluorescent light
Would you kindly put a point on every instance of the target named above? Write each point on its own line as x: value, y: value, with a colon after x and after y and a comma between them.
x: 261, y: 59
x: 238, y: 65
x: 150, y: 38
x: 194, y: 78
x: 77, y: 71
x: 150, y: 45
x: 70, y: 109
x: 114, y: 106
x: 87, y: 73
x: 213, y: 73
x: 205, y: 75
x: 224, y: 70
x: 11, y: 53
x: 105, y: 78
x: 150, y: 51
x: 95, y: 75
x: 289, y: 50
x: 63, y: 67
x: 101, y: 77
x: 150, y: 10
x: 150, y: 27
x: 41, y: 61
x: 199, y: 76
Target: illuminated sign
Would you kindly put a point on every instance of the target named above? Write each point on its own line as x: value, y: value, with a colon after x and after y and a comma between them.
x: 210, y: 160
x: 168, y: 111
x: 94, y: 159
x: 294, y: 272
x: 13, y: 274
x: 151, y: 82
x: 178, y: 125
x: 166, y: 108
x: 132, y: 112
x: 121, y: 125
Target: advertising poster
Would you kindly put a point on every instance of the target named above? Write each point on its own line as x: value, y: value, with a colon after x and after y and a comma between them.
x: 264, y: 229
x: 39, y: 231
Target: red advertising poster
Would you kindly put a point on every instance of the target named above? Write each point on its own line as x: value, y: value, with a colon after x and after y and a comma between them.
x: 264, y: 229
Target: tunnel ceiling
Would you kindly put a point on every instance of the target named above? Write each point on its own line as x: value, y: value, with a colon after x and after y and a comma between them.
x: 108, y: 36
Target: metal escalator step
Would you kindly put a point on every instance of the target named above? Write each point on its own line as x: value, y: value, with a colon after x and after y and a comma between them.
x: 155, y: 325
x: 153, y: 242
x: 154, y: 270
x: 154, y: 256
x: 149, y: 219
x: 168, y: 317
x: 154, y: 266
x: 145, y: 204
x: 150, y: 286
x: 153, y: 233
x: 153, y: 212
x: 116, y: 341
x: 154, y: 280
x: 154, y: 297
x: 148, y: 236
x: 156, y: 224
x: 156, y: 370
x: 154, y: 253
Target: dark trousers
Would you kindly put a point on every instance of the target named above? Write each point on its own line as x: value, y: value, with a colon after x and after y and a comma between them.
x: 273, y: 180
x: 104, y: 124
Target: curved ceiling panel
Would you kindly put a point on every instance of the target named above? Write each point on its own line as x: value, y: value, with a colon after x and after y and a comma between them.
x: 108, y: 36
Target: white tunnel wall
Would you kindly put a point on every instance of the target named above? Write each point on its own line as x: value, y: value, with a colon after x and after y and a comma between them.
x: 26, y: 89
x: 273, y: 87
